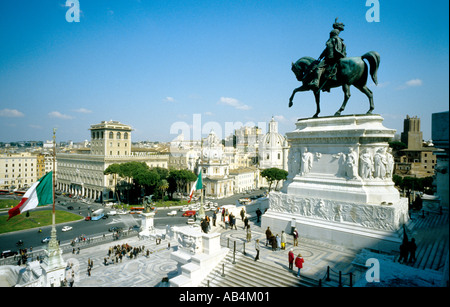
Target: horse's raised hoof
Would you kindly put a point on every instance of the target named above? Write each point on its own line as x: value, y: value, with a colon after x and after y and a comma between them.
x: 290, y: 104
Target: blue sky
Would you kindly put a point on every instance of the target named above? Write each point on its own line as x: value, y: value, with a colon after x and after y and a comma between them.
x: 151, y: 64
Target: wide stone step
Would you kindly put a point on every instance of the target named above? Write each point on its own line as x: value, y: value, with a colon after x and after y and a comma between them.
x: 249, y: 273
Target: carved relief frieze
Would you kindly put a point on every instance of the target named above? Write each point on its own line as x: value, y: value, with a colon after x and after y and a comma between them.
x: 366, y: 215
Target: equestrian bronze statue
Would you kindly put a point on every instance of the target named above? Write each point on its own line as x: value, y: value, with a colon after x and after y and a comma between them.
x: 334, y: 69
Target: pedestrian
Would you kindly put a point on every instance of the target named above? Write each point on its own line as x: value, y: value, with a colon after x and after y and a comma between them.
x: 291, y: 258
x: 299, y: 263
x: 268, y: 235
x: 214, y: 217
x: 273, y: 242
x: 403, y: 253
x: 223, y: 215
x: 412, y: 250
x: 257, y: 247
x: 295, y: 234
x: 258, y: 215
x: 283, y: 240
x: 278, y: 239
x: 249, y: 234
x: 233, y: 221
x: 226, y: 220
x: 242, y: 214
x: 245, y: 222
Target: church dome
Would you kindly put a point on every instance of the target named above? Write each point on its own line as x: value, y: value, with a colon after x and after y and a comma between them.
x: 212, y: 147
x: 273, y: 139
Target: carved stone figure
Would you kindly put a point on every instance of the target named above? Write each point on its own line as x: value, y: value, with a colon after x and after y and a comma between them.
x: 390, y: 163
x: 380, y: 163
x: 307, y: 162
x: 366, y: 164
x: 351, y: 164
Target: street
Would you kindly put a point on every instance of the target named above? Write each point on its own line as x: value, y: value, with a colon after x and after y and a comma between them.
x: 32, y: 238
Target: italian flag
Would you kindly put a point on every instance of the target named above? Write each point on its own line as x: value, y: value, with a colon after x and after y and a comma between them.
x: 198, y: 185
x: 39, y: 194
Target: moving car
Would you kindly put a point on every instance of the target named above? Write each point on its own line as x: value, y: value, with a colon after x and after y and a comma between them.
x: 66, y: 228
x: 172, y: 213
x: 189, y: 213
x: 45, y: 240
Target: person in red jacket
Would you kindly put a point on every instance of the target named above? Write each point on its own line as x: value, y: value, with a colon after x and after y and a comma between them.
x: 291, y: 259
x: 299, y: 263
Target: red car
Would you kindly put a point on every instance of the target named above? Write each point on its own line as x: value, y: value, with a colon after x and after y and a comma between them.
x: 189, y: 213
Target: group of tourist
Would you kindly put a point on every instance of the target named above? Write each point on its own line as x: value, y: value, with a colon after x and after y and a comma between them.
x: 117, y: 252
x: 277, y: 242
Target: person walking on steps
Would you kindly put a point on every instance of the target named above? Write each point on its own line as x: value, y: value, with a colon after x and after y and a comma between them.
x: 291, y: 258
x: 257, y: 247
x: 299, y: 263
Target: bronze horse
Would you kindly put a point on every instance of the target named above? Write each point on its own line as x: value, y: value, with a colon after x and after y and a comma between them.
x: 350, y: 71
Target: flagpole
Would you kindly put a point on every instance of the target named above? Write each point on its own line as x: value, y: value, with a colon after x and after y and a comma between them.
x: 53, y: 177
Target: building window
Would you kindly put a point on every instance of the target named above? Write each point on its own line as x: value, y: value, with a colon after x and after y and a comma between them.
x: 111, y: 135
x: 125, y: 136
x: 118, y: 135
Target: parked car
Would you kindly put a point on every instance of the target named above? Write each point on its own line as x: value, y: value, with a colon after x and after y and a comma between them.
x: 189, y: 213
x: 172, y: 213
x: 67, y: 228
x: 70, y: 207
x: 114, y: 228
x: 87, y: 218
x: 45, y: 240
x: 8, y: 253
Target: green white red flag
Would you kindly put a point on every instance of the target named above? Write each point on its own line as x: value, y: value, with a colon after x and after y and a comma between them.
x: 39, y: 194
x: 198, y: 185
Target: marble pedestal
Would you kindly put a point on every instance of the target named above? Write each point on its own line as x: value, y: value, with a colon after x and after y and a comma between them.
x: 198, y: 253
x: 147, y: 225
x: 339, y: 188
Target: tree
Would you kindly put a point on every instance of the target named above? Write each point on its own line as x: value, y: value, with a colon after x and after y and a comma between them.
x: 163, y: 186
x: 274, y: 175
x: 178, y: 179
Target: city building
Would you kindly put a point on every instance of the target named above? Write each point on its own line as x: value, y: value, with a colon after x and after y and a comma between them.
x: 82, y: 174
x: 18, y: 170
x: 416, y: 160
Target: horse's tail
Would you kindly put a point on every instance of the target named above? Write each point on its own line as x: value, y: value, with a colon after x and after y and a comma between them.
x: 374, y: 61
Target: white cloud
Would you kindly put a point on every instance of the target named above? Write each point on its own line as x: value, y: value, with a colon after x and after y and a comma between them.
x: 169, y: 99
x: 411, y: 83
x: 11, y: 113
x: 232, y: 102
x: 281, y: 119
x: 414, y: 82
x: 83, y: 110
x: 56, y: 114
